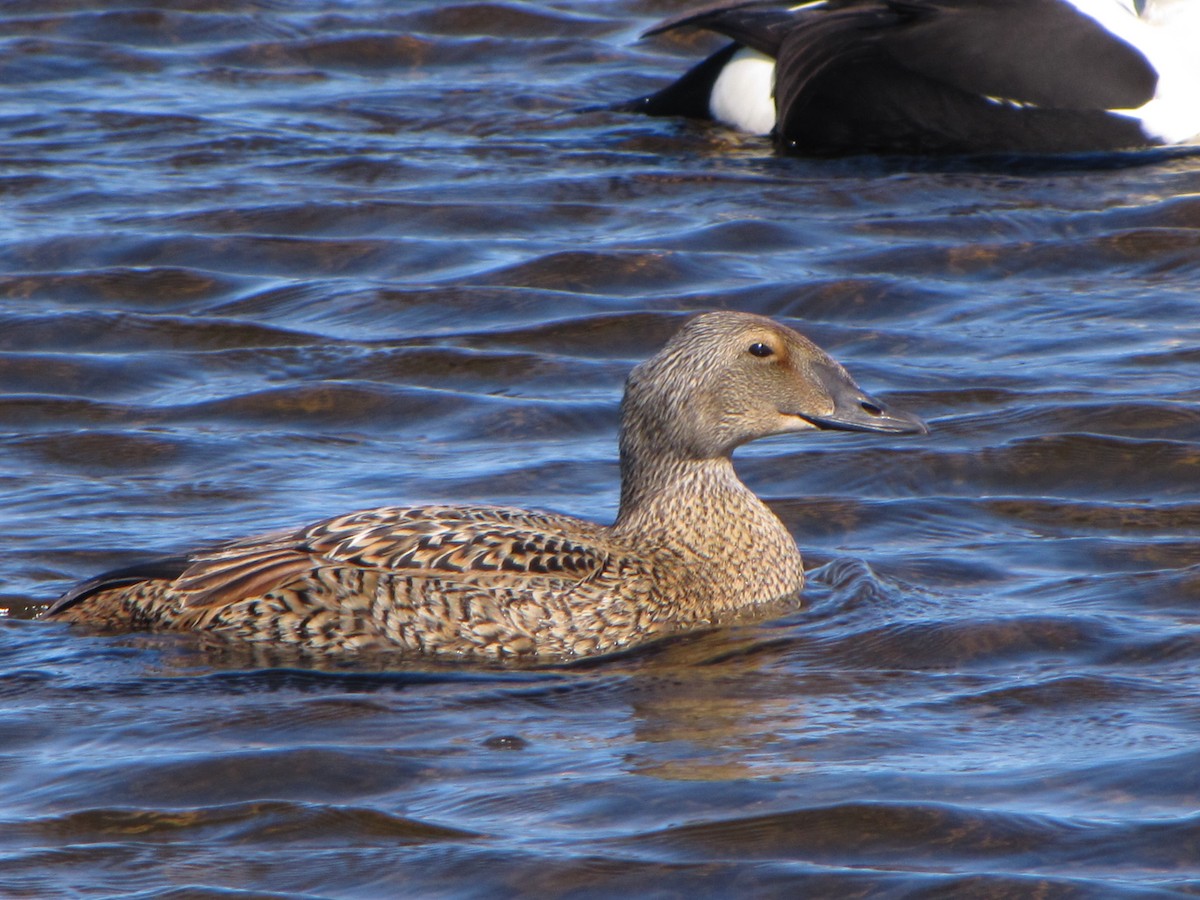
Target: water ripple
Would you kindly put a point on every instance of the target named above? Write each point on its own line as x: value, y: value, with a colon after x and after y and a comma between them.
x: 266, y: 260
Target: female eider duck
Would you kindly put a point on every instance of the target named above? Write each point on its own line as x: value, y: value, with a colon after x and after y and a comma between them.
x: 947, y: 76
x: 691, y: 543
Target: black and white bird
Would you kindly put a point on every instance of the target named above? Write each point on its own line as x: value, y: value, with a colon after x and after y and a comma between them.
x: 835, y: 77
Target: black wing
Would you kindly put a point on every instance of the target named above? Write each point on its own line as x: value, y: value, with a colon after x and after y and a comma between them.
x: 957, y: 77
x: 1041, y: 52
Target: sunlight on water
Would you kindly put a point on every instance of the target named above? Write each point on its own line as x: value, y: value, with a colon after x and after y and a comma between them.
x: 261, y: 263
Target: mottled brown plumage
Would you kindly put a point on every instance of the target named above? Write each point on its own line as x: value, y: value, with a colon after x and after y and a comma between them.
x: 691, y: 543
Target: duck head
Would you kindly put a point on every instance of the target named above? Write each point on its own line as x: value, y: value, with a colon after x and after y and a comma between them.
x: 727, y: 378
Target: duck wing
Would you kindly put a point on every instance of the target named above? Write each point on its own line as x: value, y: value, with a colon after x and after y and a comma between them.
x: 471, y: 545
x: 759, y: 25
x: 1042, y: 52
x: 950, y: 76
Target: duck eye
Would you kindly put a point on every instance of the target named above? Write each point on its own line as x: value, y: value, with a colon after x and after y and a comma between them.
x: 760, y: 349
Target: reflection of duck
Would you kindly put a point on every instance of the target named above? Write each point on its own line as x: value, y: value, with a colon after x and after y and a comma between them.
x: 690, y: 543
x: 947, y: 76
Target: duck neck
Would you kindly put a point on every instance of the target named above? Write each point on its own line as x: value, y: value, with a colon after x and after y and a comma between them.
x: 697, y: 512
x: 658, y: 494
x: 667, y: 475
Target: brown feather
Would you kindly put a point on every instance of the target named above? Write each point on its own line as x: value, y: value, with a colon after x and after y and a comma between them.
x: 691, y: 545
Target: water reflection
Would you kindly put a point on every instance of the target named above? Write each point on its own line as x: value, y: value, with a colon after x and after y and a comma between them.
x: 266, y: 262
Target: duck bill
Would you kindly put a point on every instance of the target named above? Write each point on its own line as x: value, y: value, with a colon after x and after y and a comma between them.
x: 872, y: 417
x: 854, y: 410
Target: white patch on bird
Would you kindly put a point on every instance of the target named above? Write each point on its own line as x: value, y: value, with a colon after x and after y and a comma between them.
x: 1167, y: 34
x: 1174, y: 113
x: 743, y: 96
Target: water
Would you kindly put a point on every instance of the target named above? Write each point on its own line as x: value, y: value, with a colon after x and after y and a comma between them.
x: 264, y: 262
